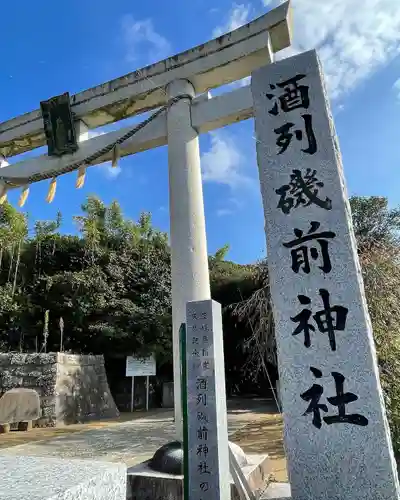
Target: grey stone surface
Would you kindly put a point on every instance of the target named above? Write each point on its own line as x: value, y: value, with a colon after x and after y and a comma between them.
x: 146, y: 484
x: 72, y: 388
x: 32, y: 478
x: 239, y: 454
x: 128, y: 442
x: 327, y: 460
x: 19, y: 405
x: 276, y: 491
x: 82, y: 391
x: 208, y: 459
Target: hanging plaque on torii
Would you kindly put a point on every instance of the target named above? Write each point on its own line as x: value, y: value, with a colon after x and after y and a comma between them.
x: 59, y: 125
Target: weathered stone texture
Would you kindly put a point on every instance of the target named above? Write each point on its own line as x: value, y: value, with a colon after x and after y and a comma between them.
x: 72, y: 388
x: 337, y: 439
x: 19, y: 405
x: 82, y: 389
x: 34, y: 478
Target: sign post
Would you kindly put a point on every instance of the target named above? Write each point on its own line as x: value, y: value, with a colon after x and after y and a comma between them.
x: 140, y: 367
x: 147, y: 393
x: 132, y: 393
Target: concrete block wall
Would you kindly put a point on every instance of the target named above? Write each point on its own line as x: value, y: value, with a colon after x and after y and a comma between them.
x: 72, y: 388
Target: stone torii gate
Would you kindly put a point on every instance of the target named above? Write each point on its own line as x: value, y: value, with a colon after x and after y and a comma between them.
x: 337, y: 441
x: 187, y: 76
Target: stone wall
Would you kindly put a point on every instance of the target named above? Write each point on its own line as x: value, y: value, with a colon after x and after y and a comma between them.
x: 72, y: 388
x: 82, y: 389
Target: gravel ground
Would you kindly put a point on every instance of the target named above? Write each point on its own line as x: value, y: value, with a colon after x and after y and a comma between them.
x: 133, y: 441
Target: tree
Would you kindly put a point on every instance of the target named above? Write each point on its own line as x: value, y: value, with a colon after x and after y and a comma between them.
x: 220, y: 254
x: 13, y: 231
x: 111, y: 284
x: 374, y: 224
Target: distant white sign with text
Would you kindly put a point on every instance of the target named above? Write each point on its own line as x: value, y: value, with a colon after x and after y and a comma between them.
x: 140, y: 367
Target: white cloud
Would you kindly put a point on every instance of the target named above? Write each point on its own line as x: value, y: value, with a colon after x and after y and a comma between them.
x: 223, y: 163
x: 142, y: 40
x: 222, y: 212
x: 238, y: 15
x: 232, y: 205
x: 353, y: 39
x: 109, y: 171
x: 396, y: 88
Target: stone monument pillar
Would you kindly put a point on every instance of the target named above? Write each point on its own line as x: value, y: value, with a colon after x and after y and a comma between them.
x: 337, y: 438
x: 208, y: 456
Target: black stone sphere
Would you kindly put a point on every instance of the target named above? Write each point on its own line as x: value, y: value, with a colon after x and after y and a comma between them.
x: 168, y: 459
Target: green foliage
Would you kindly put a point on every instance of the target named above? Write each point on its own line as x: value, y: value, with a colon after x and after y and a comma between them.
x: 374, y: 223
x: 111, y: 285
x: 376, y: 227
x: 220, y: 254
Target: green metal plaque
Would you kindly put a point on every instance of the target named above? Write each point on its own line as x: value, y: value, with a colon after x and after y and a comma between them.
x: 59, y: 125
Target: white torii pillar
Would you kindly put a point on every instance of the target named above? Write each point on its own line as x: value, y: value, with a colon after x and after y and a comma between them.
x: 189, y: 257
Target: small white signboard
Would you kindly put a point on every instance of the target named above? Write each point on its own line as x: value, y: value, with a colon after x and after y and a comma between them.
x: 140, y: 367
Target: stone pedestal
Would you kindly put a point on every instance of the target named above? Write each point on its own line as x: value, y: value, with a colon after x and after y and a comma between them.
x: 277, y: 491
x: 34, y: 478
x: 145, y: 484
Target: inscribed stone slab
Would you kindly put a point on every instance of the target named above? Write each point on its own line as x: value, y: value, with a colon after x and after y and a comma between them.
x: 337, y: 439
x: 34, y: 478
x: 207, y: 417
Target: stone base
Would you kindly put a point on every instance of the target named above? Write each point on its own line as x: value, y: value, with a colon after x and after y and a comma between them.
x: 277, y: 491
x: 146, y: 484
x: 33, y: 478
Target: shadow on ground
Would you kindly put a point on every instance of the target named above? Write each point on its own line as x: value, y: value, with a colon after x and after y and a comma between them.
x: 253, y: 424
x: 263, y: 433
x: 127, y: 442
x: 262, y: 437
x: 255, y: 406
x: 43, y: 434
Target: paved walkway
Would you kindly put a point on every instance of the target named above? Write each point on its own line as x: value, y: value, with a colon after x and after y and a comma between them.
x: 136, y: 440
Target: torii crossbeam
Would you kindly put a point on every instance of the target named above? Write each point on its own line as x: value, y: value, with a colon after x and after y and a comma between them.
x: 188, y: 77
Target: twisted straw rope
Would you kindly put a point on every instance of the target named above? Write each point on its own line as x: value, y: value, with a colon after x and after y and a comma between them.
x: 14, y: 182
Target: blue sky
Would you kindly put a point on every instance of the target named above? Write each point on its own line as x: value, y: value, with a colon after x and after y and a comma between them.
x: 53, y: 48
